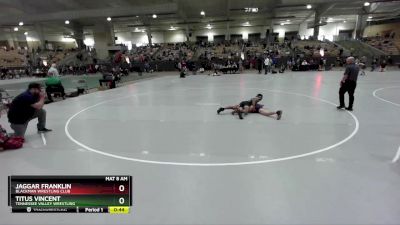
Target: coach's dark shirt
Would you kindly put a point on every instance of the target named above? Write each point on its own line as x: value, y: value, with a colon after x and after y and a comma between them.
x: 21, y: 110
x: 352, y: 72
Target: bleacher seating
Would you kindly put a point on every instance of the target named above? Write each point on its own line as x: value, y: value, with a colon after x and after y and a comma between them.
x: 56, y: 56
x: 253, y: 49
x: 360, y: 49
x: 175, y: 51
x: 12, y: 58
x: 389, y: 45
x: 143, y: 52
x: 225, y: 50
x: 312, y: 48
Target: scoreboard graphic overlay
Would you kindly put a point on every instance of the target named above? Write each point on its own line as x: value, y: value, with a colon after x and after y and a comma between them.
x: 70, y: 194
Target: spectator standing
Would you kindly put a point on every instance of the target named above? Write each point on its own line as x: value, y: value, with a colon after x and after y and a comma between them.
x: 363, y: 65
x: 390, y: 60
x: 267, y: 64
x: 321, y: 64
x: 374, y: 64
x: 383, y: 66
x: 259, y: 64
x: 241, y: 65
x: 289, y: 63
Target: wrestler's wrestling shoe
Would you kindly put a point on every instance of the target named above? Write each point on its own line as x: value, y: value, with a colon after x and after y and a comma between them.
x: 44, y: 130
x: 220, y: 110
x: 279, y: 113
x: 240, y: 115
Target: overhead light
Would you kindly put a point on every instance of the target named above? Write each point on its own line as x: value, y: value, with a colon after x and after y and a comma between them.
x: 67, y: 22
x: 137, y: 16
x: 282, y: 24
x: 247, y: 24
x: 140, y: 30
x: 15, y: 28
x: 369, y: 17
x: 172, y: 28
x: 367, y: 3
x: 26, y: 33
x: 202, y: 13
x: 329, y: 20
x: 208, y: 26
x: 108, y: 19
x: 251, y: 10
x: 344, y: 21
x: 154, y: 16
x: 309, y: 6
x: 287, y: 20
x: 21, y: 23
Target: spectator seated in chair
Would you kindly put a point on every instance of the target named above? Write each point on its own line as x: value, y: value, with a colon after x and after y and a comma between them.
x: 108, y: 78
x: 54, y: 86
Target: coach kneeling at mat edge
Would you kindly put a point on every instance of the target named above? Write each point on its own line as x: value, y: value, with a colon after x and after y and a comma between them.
x: 26, y: 107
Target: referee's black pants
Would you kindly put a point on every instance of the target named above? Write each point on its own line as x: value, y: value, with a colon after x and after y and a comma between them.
x: 348, y: 86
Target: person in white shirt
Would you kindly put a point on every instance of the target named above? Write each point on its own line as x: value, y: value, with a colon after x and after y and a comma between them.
x: 53, y: 71
x: 267, y: 65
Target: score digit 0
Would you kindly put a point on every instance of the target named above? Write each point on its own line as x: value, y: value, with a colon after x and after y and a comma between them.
x: 121, y: 188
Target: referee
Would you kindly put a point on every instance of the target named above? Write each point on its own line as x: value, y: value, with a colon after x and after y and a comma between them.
x: 348, y: 83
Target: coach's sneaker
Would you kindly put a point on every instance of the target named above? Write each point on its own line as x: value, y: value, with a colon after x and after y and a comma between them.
x: 43, y: 130
x: 279, y: 113
x: 349, y: 108
x: 220, y: 110
x: 240, y: 115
